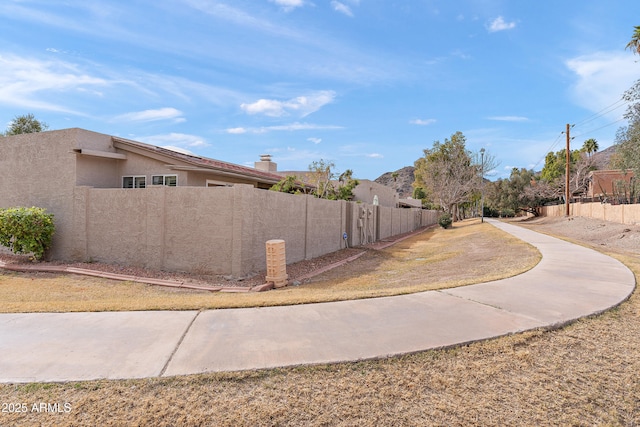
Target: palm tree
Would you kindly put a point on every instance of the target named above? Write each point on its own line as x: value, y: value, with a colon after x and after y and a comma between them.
x: 634, y: 44
x: 394, y: 175
x: 591, y: 145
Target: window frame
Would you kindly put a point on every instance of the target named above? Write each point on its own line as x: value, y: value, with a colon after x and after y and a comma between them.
x: 164, y: 179
x: 135, y: 179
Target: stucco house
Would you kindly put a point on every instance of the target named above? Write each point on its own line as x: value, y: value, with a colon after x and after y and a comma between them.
x: 46, y: 169
x: 104, y: 161
x: 609, y: 185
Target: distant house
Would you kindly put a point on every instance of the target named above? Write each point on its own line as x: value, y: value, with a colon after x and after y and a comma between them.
x: 609, y: 185
x: 367, y: 191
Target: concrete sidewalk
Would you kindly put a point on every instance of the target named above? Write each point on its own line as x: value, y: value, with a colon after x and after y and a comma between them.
x: 570, y: 282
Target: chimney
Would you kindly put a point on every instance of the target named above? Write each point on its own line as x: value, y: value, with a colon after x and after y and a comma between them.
x: 265, y: 164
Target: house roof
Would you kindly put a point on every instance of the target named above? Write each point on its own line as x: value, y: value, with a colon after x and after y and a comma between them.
x: 203, y: 164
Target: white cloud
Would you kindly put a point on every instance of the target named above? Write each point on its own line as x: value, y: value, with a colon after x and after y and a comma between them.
x: 153, y: 115
x: 296, y: 126
x: 509, y: 118
x: 267, y: 107
x: 300, y: 106
x: 341, y: 7
x: 180, y: 140
x: 315, y: 140
x: 289, y: 5
x: 28, y: 83
x: 236, y: 131
x: 423, y: 122
x: 375, y: 156
x: 499, y: 24
x: 601, y: 79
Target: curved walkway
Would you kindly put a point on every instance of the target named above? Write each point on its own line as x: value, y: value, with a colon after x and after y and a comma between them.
x: 570, y: 282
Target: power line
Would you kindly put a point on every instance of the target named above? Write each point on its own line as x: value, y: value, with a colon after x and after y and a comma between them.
x: 553, y: 145
x: 618, y: 104
x: 601, y: 127
x: 608, y: 109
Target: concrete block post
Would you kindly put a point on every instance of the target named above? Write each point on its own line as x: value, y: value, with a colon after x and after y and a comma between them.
x: 276, y: 263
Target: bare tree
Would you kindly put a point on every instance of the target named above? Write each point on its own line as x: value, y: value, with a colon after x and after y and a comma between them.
x: 321, y: 174
x: 450, y: 173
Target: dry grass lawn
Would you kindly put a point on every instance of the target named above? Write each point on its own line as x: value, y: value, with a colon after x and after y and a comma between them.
x: 582, y: 375
x: 430, y: 260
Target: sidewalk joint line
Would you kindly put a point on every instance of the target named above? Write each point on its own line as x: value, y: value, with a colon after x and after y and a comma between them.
x: 175, y: 350
x: 496, y: 307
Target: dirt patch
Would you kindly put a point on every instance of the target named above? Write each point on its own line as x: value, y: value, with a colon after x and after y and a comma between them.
x: 593, y: 232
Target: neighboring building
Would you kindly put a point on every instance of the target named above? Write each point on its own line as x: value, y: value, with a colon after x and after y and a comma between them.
x: 84, y: 158
x: 44, y: 169
x: 410, y: 203
x: 608, y: 184
x: 367, y: 191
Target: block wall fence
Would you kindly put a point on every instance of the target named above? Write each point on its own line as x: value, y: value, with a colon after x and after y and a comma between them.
x: 624, y: 214
x: 218, y: 230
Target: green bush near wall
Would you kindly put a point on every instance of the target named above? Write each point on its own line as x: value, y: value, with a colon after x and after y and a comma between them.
x: 445, y: 220
x: 26, y: 230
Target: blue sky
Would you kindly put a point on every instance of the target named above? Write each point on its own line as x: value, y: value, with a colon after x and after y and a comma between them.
x: 366, y: 84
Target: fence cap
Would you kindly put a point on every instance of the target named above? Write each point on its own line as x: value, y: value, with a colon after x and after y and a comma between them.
x: 275, y: 241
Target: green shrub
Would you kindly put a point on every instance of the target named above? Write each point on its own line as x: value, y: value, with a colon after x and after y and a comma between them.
x: 26, y: 230
x: 508, y: 213
x: 445, y: 220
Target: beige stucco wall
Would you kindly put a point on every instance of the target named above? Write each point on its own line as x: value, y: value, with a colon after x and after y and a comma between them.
x: 39, y: 170
x: 624, y: 214
x: 219, y: 230
x: 268, y: 215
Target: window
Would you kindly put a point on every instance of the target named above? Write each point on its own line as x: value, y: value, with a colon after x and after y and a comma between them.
x: 169, y: 180
x: 213, y: 183
x: 134, y: 181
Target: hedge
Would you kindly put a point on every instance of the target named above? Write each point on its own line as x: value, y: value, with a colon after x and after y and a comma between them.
x: 26, y: 230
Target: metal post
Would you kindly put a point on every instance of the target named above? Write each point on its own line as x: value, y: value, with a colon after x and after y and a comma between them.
x: 567, y: 191
x: 482, y: 185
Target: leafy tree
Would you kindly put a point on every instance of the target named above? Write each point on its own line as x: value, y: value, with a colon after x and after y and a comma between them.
x: 321, y: 176
x: 346, y: 185
x: 25, y: 124
x: 580, y: 164
x: 634, y: 44
x: 555, y: 165
x: 522, y: 191
x: 419, y: 193
x: 450, y: 173
x: 288, y: 184
x: 320, y: 172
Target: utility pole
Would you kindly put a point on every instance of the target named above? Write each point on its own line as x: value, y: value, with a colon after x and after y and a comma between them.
x: 567, y: 192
